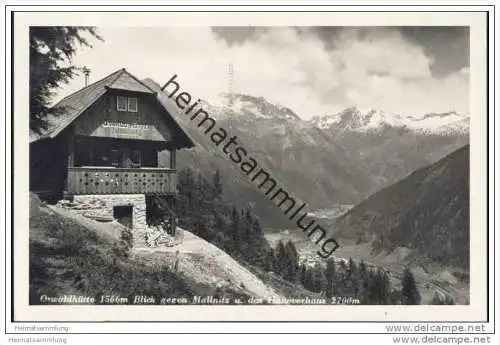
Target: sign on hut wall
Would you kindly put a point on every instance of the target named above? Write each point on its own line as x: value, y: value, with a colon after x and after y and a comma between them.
x: 126, y: 130
x: 103, y: 120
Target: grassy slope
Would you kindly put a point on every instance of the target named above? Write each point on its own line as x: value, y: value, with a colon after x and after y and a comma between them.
x: 70, y: 254
x: 69, y: 258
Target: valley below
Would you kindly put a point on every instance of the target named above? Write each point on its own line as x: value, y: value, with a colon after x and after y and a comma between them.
x: 431, y: 277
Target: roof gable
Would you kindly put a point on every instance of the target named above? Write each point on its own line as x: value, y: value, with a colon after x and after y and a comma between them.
x: 127, y: 82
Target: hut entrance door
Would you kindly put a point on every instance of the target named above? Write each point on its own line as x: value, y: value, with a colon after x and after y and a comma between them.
x: 123, y: 214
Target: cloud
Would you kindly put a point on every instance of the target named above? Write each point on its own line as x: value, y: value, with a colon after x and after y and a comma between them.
x: 368, y: 68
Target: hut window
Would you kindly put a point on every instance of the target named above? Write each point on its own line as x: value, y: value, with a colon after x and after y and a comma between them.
x: 121, y: 103
x: 132, y: 104
x: 126, y: 104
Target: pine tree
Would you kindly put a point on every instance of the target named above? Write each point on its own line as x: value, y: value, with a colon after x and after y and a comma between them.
x: 410, y: 293
x: 291, y: 262
x: 342, y: 274
x: 235, y: 229
x: 303, y: 274
x: 216, y: 187
x: 363, y: 272
x: 352, y: 268
x: 319, y: 282
x: 342, y: 267
x: 383, y: 287
x: 436, y: 299
x: 309, y: 279
x: 186, y: 187
x: 395, y: 297
x: 353, y: 277
x: 378, y: 288
x: 280, y: 251
x: 270, y: 263
x: 51, y: 51
x: 259, y: 245
x: 330, y: 273
x: 220, y: 230
x: 257, y: 231
x: 202, y: 193
x: 247, y: 233
x: 363, y: 275
x: 439, y: 299
x: 235, y: 217
x: 448, y: 300
x: 281, y: 258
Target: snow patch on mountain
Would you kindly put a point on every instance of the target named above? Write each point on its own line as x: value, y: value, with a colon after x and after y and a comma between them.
x: 370, y: 120
x: 253, y: 107
x: 447, y: 123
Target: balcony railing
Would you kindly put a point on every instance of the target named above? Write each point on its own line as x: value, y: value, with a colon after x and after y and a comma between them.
x: 109, y: 180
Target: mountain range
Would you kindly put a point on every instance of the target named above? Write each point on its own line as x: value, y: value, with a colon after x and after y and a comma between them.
x: 353, y: 119
x: 325, y: 161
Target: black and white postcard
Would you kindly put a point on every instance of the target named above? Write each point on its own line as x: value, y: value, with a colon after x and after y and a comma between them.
x: 250, y: 166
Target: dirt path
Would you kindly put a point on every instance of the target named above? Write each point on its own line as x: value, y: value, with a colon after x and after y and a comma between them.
x: 205, y: 263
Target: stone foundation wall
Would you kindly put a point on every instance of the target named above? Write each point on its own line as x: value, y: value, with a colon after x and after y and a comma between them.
x: 101, y: 207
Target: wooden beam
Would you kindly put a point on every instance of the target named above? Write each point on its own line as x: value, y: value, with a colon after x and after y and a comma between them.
x: 71, y: 151
x: 172, y: 158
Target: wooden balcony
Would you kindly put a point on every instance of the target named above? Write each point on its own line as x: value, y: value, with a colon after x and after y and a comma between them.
x: 110, y: 180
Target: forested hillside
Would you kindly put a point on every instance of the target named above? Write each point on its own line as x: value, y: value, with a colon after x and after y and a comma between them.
x: 427, y: 212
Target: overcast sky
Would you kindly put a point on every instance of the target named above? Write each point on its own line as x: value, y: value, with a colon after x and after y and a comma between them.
x: 312, y: 70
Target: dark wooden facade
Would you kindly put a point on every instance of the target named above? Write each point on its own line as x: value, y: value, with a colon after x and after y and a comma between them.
x: 103, y: 119
x: 105, y: 150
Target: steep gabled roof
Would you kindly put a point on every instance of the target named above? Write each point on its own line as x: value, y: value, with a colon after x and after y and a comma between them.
x: 126, y: 81
x: 71, y: 107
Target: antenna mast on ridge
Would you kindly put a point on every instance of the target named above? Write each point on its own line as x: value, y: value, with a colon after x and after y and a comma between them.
x: 230, y: 84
